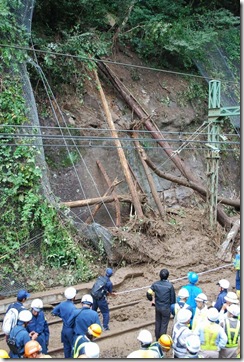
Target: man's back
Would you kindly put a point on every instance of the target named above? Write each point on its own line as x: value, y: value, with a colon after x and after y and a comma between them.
x: 164, y: 293
x: 84, y: 319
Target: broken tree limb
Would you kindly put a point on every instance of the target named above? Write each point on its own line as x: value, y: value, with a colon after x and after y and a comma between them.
x: 222, y: 218
x: 230, y: 236
x: 123, y: 160
x: 116, y: 200
x: 97, y: 207
x: 193, y: 185
x: 98, y: 200
x: 149, y: 176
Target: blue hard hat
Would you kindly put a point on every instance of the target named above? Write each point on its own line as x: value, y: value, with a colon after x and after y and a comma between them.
x: 192, y: 277
x: 109, y: 272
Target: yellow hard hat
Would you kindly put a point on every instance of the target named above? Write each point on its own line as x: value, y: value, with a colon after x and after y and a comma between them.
x: 95, y: 330
x: 165, y: 341
x: 3, y: 354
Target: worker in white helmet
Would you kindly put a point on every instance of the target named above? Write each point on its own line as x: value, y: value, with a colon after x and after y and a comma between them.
x: 180, y: 332
x: 145, y: 339
x: 64, y: 310
x: 201, y: 310
x: 231, y: 325
x: 212, y: 336
x: 182, y: 296
x: 193, y: 345
x: 223, y: 290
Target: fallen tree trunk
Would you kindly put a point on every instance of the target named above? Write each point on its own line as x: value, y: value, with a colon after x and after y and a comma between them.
x: 222, y: 218
x: 192, y: 185
x: 98, y: 200
x: 230, y: 236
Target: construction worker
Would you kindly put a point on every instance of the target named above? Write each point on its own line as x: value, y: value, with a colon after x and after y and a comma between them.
x: 166, y: 342
x: 91, y: 350
x: 193, y: 345
x: 237, y: 264
x: 180, y: 332
x: 102, y: 303
x: 193, y: 290
x: 162, y: 295
x: 200, y: 311
x: 223, y: 286
x: 212, y: 336
x: 230, y: 298
x: 38, y: 328
x: 64, y: 310
x: 145, y: 339
x: 84, y: 317
x: 33, y: 349
x: 231, y: 325
x: 3, y: 354
x: 182, y: 296
x: 93, y: 331
x: 20, y: 334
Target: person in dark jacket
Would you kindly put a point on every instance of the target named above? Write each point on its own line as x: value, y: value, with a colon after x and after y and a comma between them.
x: 102, y: 303
x: 20, y: 333
x: 38, y: 327
x: 64, y: 310
x: 223, y: 285
x: 21, y: 298
x: 162, y: 294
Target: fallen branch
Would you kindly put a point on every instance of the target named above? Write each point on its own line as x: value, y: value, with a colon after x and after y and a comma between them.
x: 98, y: 200
x: 230, y: 236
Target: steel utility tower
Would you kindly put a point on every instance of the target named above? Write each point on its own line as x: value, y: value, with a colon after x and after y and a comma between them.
x: 215, y: 117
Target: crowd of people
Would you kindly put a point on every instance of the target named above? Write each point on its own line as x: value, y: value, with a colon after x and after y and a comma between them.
x: 199, y: 330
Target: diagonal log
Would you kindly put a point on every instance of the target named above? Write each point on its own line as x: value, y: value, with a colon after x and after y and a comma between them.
x: 123, y: 160
x: 222, y: 218
x: 116, y: 200
x: 97, y: 207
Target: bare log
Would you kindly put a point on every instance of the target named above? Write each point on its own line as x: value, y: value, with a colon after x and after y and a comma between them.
x: 149, y: 176
x: 123, y: 160
x: 98, y: 200
x: 117, y: 204
x: 192, y: 185
x: 230, y: 236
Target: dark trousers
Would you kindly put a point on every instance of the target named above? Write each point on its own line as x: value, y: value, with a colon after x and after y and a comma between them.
x: 67, y: 340
x: 102, y: 304
x: 162, y: 317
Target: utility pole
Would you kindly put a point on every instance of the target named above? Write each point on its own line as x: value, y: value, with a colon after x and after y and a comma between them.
x: 215, y: 117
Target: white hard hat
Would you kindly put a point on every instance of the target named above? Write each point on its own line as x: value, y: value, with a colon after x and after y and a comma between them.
x: 142, y: 353
x: 87, y: 299
x: 193, y: 343
x: 92, y: 350
x: 238, y: 248
x: 145, y: 336
x: 201, y: 298
x: 183, y: 293
x: 70, y: 293
x: 25, y: 316
x: 234, y: 309
x: 37, y: 304
x: 213, y: 314
x: 184, y: 315
x: 232, y: 298
x: 223, y: 283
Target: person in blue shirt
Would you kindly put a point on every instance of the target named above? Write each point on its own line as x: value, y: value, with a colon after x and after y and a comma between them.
x: 20, y: 333
x: 223, y: 285
x: 193, y: 291
x: 102, y: 303
x: 64, y: 310
x: 21, y: 298
x: 38, y: 327
x: 236, y: 263
x: 81, y: 319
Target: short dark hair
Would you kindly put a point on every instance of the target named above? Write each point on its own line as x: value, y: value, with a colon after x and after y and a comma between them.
x: 164, y: 274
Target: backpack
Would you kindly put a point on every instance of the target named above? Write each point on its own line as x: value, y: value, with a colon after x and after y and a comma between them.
x: 11, y: 342
x: 10, y: 320
x: 98, y: 290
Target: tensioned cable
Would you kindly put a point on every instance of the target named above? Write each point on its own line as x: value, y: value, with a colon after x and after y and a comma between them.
x: 45, y: 82
x: 175, y: 280
x: 98, y: 130
x: 79, y: 57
